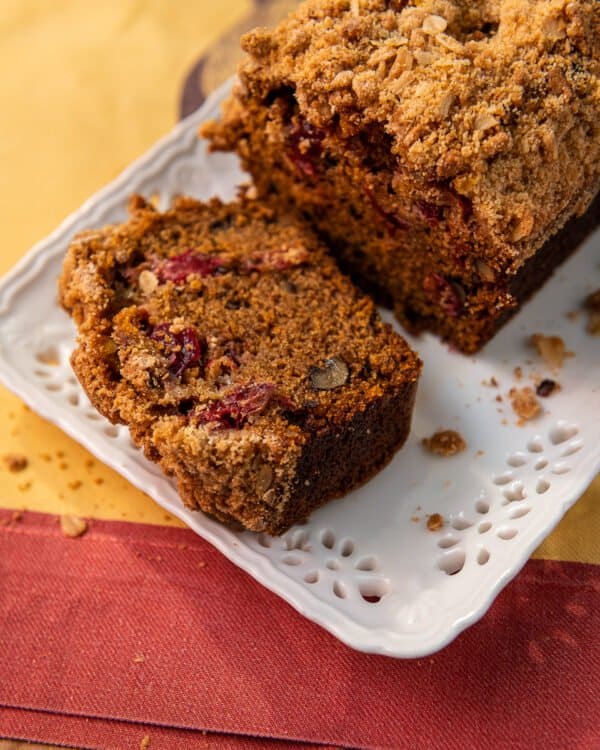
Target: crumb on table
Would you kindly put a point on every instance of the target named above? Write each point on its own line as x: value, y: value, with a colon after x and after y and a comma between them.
x: 73, y: 526
x: 524, y: 403
x: 15, y: 462
x: 445, y: 443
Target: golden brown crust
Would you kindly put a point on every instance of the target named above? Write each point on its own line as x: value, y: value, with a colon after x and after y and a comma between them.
x: 210, y: 330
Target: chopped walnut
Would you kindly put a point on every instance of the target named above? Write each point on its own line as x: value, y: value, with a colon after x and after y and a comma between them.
x: 485, y: 121
x: 147, y: 281
x: 15, y: 462
x: 435, y: 522
x: 445, y: 443
x: 523, y: 225
x: 524, y: 403
x: 446, y: 104
x: 485, y: 272
x: 434, y: 24
x: 551, y: 349
x: 333, y: 374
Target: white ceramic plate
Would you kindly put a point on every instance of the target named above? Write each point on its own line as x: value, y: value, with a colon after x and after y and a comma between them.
x: 365, y: 568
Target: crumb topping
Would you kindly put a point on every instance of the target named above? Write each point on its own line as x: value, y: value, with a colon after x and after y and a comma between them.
x: 470, y: 94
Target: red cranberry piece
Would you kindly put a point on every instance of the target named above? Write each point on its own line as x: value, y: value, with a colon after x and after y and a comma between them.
x: 178, y: 268
x: 184, y: 348
x: 392, y: 222
x: 305, y: 147
x: 546, y: 388
x: 443, y: 293
x: 234, y: 409
x: 432, y: 213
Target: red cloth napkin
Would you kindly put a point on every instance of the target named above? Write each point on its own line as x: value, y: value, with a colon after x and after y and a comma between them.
x: 134, y: 630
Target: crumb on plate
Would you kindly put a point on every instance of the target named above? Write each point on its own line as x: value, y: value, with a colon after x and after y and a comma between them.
x: 551, y: 349
x: 445, y: 443
x: 435, y: 522
x: 524, y: 403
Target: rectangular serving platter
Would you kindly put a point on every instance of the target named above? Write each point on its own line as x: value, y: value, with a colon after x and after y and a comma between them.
x: 366, y: 567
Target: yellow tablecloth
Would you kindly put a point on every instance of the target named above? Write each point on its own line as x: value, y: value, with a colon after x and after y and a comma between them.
x: 85, y: 88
